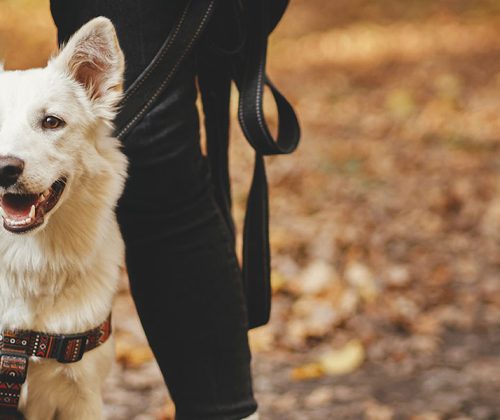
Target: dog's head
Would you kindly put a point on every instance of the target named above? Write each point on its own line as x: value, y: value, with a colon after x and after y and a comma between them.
x: 56, y: 147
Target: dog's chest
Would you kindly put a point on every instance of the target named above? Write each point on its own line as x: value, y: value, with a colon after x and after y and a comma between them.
x: 59, y: 301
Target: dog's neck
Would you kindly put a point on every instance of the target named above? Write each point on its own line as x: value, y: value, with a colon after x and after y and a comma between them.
x: 66, y: 272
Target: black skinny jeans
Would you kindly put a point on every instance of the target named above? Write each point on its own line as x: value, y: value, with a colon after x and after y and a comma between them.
x: 182, y: 268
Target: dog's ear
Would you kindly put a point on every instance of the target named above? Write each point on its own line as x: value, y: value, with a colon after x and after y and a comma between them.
x: 94, y: 59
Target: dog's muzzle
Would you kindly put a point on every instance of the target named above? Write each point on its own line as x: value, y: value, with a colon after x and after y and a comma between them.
x: 22, y: 212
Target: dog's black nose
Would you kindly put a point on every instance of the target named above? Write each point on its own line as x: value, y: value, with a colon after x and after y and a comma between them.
x: 11, y: 169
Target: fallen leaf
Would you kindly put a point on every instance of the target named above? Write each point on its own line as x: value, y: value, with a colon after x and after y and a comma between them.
x: 278, y: 281
x: 426, y: 416
x: 400, y: 103
x: 345, y: 360
x: 397, y: 276
x: 318, y: 317
x: 309, y: 371
x: 320, y: 397
x: 133, y: 356
x: 166, y: 412
x: 360, y: 277
x: 317, y: 278
x: 377, y: 411
x: 261, y: 339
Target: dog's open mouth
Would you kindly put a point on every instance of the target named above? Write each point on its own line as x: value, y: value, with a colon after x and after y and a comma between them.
x: 23, y: 212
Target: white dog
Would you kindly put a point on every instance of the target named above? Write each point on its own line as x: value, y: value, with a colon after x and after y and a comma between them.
x: 61, y: 174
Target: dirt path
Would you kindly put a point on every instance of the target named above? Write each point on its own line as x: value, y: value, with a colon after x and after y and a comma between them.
x: 462, y: 382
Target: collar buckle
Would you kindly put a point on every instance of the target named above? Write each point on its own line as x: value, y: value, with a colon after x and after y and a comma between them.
x: 71, y: 348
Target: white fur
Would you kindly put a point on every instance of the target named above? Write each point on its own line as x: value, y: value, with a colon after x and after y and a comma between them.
x: 61, y: 277
x: 254, y: 416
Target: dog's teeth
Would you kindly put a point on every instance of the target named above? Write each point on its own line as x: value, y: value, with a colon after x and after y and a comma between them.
x: 23, y: 222
x: 2, y: 213
x: 32, y: 211
x: 44, y: 195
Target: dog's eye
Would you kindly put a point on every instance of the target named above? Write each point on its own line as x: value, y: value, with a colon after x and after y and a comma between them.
x: 50, y: 122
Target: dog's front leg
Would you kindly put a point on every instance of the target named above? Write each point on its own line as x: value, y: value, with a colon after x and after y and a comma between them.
x: 71, y: 394
x: 87, y: 406
x: 68, y: 392
x: 84, y: 406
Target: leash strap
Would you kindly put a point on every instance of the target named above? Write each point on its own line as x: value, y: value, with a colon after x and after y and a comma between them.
x: 142, y: 94
x: 250, y: 78
x: 242, y: 59
x: 241, y: 29
x: 16, y: 347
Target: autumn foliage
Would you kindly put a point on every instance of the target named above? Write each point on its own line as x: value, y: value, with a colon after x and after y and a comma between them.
x: 385, y: 224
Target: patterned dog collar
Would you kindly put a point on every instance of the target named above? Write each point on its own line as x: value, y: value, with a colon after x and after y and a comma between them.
x: 16, y: 347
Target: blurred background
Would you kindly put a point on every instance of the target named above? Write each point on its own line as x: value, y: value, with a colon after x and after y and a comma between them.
x: 385, y: 223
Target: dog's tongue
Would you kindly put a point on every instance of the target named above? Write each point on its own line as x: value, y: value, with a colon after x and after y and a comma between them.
x: 18, y: 205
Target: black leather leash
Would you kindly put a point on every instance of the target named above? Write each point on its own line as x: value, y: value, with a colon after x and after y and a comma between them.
x: 234, y: 48
x: 142, y: 94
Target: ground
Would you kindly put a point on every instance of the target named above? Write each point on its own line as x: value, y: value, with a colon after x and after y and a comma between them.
x: 385, y: 223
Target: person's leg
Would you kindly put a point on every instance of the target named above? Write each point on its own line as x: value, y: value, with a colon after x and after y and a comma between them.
x: 183, y: 271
